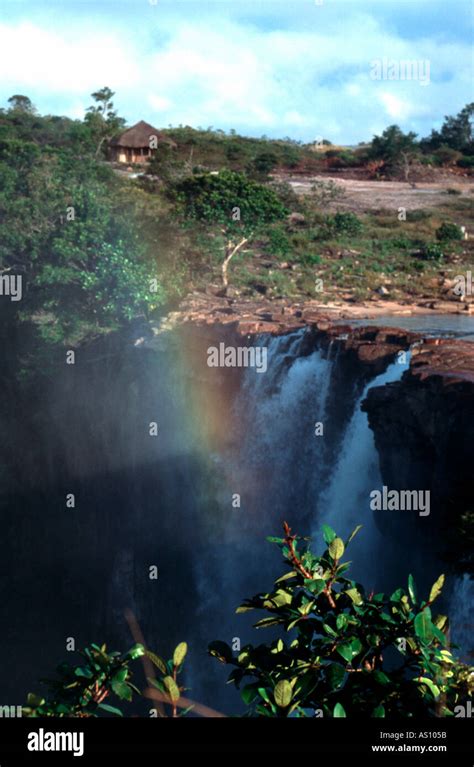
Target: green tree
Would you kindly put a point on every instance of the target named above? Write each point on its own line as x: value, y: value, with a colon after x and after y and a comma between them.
x: 456, y: 132
x: 101, y: 118
x: 343, y: 651
x: 238, y: 206
x: 19, y: 103
x: 398, y: 150
x: 263, y: 164
x: 84, y: 263
x: 82, y: 689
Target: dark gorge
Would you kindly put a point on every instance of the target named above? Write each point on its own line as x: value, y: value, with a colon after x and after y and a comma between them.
x: 142, y: 478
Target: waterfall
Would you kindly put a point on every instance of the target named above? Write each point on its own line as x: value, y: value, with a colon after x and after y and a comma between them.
x: 283, y: 470
x: 345, y: 502
x: 460, y: 616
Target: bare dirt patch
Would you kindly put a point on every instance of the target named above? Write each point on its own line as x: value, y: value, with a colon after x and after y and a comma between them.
x: 364, y: 195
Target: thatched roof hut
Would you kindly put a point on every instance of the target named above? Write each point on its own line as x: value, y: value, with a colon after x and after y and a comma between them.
x: 138, y: 143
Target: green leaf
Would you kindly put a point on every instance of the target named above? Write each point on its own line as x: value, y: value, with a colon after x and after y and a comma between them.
x: 345, y: 651
x: 440, y: 636
x: 283, y: 693
x: 110, y: 709
x: 339, y: 712
x: 316, y: 586
x: 281, y: 598
x: 249, y: 693
x: 412, y: 588
x: 336, y: 548
x: 171, y: 688
x: 244, y: 609
x: 284, y: 577
x: 157, y: 661
x: 328, y: 534
x: 34, y: 700
x: 264, y: 694
x: 353, y: 534
x: 341, y: 621
x: 84, y: 672
x: 121, y: 675
x: 266, y: 622
x: 180, y: 653
x: 122, y: 690
x: 423, y: 625
x: 329, y: 630
x: 434, y: 689
x: 272, y: 539
x: 436, y: 588
x: 379, y: 712
x: 335, y: 676
x: 381, y: 678
x: 356, y: 646
x: 355, y: 596
x: 221, y: 651
x: 135, y: 652
x: 397, y: 595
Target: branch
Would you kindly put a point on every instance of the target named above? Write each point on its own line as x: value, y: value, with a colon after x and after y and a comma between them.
x: 230, y: 255
x: 290, y: 542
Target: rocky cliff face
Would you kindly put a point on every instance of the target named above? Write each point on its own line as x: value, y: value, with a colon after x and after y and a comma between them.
x: 424, y: 433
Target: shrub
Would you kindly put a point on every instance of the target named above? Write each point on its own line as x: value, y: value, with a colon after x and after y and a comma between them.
x: 80, y: 690
x: 346, y: 223
x: 466, y: 162
x: 449, y: 231
x: 232, y: 204
x: 279, y: 242
x: 445, y: 155
x: 344, y: 651
x: 325, y: 192
x: 310, y: 259
x: 432, y: 252
x: 263, y: 163
x: 418, y: 215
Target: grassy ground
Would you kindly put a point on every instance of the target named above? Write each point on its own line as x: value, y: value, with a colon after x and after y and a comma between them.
x: 398, y: 259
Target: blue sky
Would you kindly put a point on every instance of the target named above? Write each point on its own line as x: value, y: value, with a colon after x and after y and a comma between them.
x: 300, y: 68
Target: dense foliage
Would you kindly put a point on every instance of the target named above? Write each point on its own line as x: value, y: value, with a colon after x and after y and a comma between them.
x: 82, y: 689
x: 343, y: 651
x: 340, y: 651
x: 82, y: 262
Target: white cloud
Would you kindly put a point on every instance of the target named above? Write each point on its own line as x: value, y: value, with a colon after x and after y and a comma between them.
x: 32, y: 56
x: 222, y: 72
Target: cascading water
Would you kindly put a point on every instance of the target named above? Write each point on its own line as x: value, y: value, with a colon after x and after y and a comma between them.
x: 460, y: 616
x: 284, y: 468
x: 345, y: 502
x: 171, y: 501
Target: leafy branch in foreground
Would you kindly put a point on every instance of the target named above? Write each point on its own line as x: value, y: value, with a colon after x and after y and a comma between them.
x: 346, y: 653
x: 343, y: 653
x: 81, y: 690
